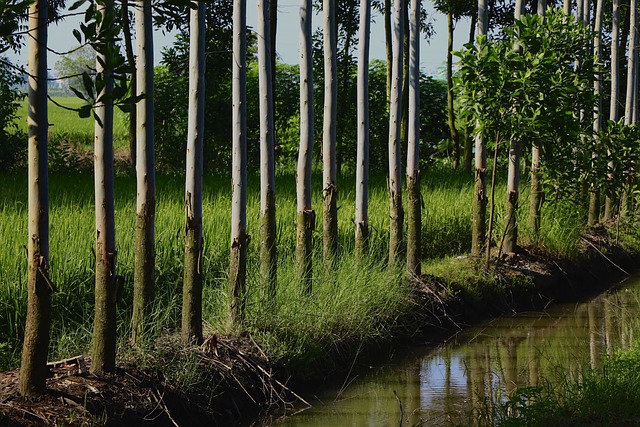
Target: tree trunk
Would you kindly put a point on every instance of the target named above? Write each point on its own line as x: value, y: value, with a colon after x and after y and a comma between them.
x: 306, y: 215
x: 239, y: 238
x: 455, y: 136
x: 329, y: 175
x: 396, y: 214
x: 362, y: 161
x: 104, y: 324
x: 404, y: 126
x: 613, y: 106
x: 594, y: 193
x: 35, y: 349
x: 273, y: 29
x: 631, y: 64
x: 413, y: 147
x: 192, y: 286
x: 536, y: 198
x: 567, y: 7
x: 144, y: 270
x: 388, y: 46
x: 513, y: 179
x: 478, y: 227
x: 468, y: 140
x: 268, y: 256
x: 128, y: 45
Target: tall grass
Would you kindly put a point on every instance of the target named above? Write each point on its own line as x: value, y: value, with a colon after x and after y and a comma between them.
x: 350, y: 303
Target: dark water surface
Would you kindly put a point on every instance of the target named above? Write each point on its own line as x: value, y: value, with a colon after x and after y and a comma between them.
x: 442, y: 386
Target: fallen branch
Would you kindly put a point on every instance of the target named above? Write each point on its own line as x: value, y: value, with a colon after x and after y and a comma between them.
x: 605, y: 257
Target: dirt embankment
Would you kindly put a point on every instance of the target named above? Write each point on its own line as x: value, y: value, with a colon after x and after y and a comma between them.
x: 247, y: 382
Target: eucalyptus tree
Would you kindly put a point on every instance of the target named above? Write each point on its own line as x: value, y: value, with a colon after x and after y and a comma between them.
x: 104, y: 325
x: 413, y: 146
x: 35, y: 349
x: 615, y: 87
x: 192, y: 286
x: 632, y: 65
x: 239, y: 237
x: 305, y: 213
x: 329, y: 172
x: 594, y: 193
x: 144, y: 269
x: 478, y: 219
x: 268, y: 256
x: 536, y: 197
x: 362, y: 161
x: 396, y: 213
x: 510, y: 242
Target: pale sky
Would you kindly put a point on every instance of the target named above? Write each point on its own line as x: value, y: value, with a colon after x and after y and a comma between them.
x: 432, y: 53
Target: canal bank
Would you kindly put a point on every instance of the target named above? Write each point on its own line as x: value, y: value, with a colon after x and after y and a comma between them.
x: 232, y: 379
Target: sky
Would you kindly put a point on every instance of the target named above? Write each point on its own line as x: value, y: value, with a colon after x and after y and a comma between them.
x: 432, y: 52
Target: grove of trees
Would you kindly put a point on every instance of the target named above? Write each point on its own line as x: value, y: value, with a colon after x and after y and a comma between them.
x: 529, y: 89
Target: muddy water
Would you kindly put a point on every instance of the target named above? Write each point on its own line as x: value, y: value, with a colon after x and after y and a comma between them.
x: 451, y: 384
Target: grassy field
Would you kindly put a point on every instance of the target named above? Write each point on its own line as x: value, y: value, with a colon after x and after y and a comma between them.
x: 67, y: 127
x: 347, y: 303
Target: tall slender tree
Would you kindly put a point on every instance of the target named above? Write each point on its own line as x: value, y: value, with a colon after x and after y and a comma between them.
x: 413, y: 147
x: 615, y: 88
x: 192, y: 286
x: 594, y: 193
x: 362, y: 160
x: 268, y: 256
x: 306, y: 215
x: 329, y: 172
x: 35, y: 349
x: 566, y: 7
x: 239, y: 238
x: 396, y: 213
x: 513, y: 179
x: 104, y: 326
x: 536, y: 197
x: 144, y: 270
x: 631, y: 64
x: 478, y: 228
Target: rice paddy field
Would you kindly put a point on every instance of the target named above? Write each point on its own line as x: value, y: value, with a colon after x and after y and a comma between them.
x: 347, y: 303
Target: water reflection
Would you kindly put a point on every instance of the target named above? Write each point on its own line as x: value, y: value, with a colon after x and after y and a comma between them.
x: 455, y: 383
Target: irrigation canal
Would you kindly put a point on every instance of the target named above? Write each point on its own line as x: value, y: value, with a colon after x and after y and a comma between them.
x: 447, y: 385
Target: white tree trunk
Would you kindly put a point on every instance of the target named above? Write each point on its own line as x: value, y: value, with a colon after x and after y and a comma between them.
x: 144, y: 280
x: 329, y: 175
x: 478, y: 228
x: 192, y: 286
x: 615, y: 89
x: 33, y: 367
x: 567, y: 7
x: 104, y: 329
x: 632, y: 65
x: 306, y: 216
x: 396, y: 213
x: 268, y: 260
x: 362, y: 160
x: 238, y: 259
x: 594, y: 194
x: 413, y: 145
x: 542, y: 7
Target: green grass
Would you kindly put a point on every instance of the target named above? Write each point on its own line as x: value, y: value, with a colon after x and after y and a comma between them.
x: 66, y: 127
x: 348, y: 303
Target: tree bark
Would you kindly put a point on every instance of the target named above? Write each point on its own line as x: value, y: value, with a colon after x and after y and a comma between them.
x: 567, y: 7
x: 613, y: 105
x: 192, y: 286
x: 273, y: 29
x: 239, y: 238
x: 455, y: 136
x: 513, y: 179
x: 396, y: 214
x: 329, y: 175
x: 413, y: 147
x: 594, y: 193
x: 144, y: 270
x: 478, y: 227
x: 35, y: 349
x: 362, y: 161
x: 104, y: 324
x: 128, y: 45
x: 468, y: 140
x: 306, y: 215
x: 268, y: 255
x: 536, y: 198
x: 388, y: 46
